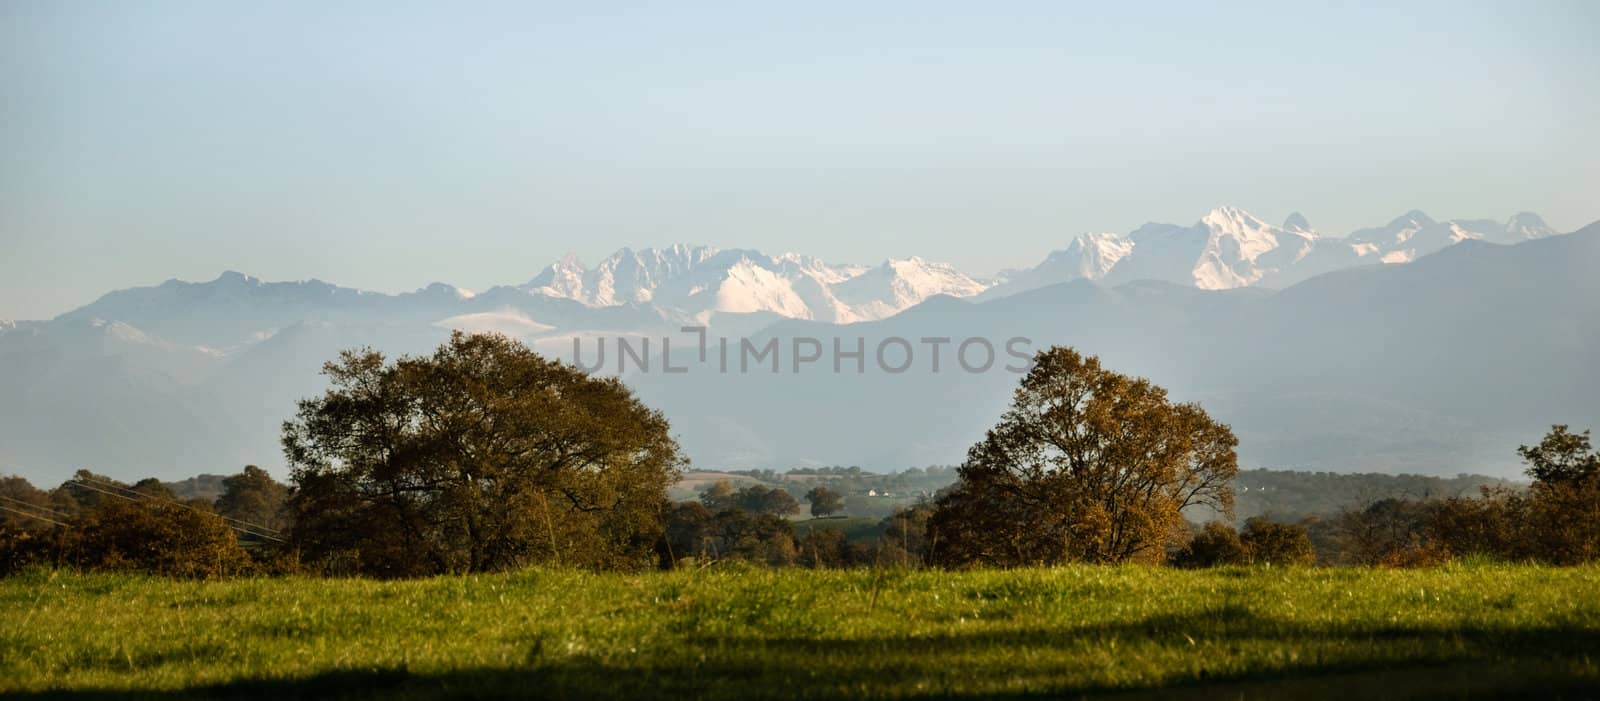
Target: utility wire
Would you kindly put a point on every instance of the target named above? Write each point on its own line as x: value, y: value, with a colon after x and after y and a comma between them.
x: 146, y: 497
x: 141, y: 496
x: 32, y: 516
x: 32, y: 505
x: 130, y: 490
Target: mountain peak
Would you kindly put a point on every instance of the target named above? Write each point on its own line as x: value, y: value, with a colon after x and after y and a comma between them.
x: 234, y: 277
x: 1527, y: 225
x: 1233, y: 220
x: 1297, y: 222
x: 1414, y: 219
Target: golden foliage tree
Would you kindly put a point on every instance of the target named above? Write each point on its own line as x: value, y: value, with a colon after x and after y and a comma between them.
x: 1086, y: 465
x: 153, y: 537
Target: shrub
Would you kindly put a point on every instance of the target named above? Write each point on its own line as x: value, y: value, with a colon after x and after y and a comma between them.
x: 154, y: 538
x: 1272, y: 543
x: 1217, y: 544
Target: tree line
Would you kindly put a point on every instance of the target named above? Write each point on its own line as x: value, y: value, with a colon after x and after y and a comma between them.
x: 485, y: 456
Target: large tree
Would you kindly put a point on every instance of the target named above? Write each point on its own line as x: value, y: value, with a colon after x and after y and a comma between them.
x: 253, y: 498
x: 824, y: 501
x: 1086, y: 465
x: 482, y: 456
x: 1562, y: 457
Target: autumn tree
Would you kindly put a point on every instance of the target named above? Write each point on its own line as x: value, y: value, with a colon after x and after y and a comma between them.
x: 718, y: 496
x: 1562, y: 457
x: 824, y: 501
x: 1215, y: 545
x: 1373, y: 534
x: 1556, y: 520
x: 757, y: 538
x: 22, y: 505
x: 829, y: 548
x: 685, y: 534
x: 482, y: 456
x: 253, y: 497
x: 1564, y: 513
x: 1086, y: 465
x: 1268, y: 542
x: 152, y: 536
x: 905, y: 538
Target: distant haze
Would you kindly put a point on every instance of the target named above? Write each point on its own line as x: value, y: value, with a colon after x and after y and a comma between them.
x: 388, y: 146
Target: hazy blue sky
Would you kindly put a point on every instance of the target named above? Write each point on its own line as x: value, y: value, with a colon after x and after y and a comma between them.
x: 389, y: 145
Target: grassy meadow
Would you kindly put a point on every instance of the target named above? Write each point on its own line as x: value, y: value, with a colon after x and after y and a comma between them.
x: 1458, y: 631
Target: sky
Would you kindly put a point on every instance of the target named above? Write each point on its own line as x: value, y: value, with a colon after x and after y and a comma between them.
x: 389, y: 145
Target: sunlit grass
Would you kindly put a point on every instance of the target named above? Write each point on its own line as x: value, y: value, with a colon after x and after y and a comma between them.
x: 750, y: 633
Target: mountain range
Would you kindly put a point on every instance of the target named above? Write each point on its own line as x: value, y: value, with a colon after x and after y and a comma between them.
x: 1421, y: 345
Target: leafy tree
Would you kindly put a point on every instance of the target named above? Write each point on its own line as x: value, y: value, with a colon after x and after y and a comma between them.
x: 719, y: 497
x: 84, y: 491
x: 686, y: 534
x: 153, y: 537
x: 1565, y: 519
x: 1556, y: 521
x: 829, y: 548
x: 755, y: 538
x: 1271, y: 543
x: 26, y: 505
x: 1564, y: 512
x: 757, y: 499
x: 1372, y: 535
x: 252, y: 496
x: 1215, y: 545
x: 22, y: 546
x: 482, y: 456
x: 824, y: 501
x: 1086, y: 465
x: 905, y: 538
x: 152, y: 487
x: 1561, y: 458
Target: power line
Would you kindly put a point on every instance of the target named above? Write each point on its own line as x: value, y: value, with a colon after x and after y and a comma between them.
x: 146, y: 497
x: 33, y: 516
x: 142, y: 495
x: 32, y: 505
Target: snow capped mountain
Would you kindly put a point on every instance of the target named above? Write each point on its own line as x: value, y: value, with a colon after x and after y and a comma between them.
x: 1526, y: 226
x: 654, y: 289
x: 897, y: 284
x: 1296, y: 222
x: 701, y: 280
x: 189, y: 375
x: 1231, y: 248
x: 1415, y: 234
x: 624, y: 277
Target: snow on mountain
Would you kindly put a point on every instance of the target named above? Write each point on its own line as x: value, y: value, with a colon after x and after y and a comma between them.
x: 1241, y: 250
x: 1230, y: 248
x: 1415, y: 234
x: 897, y: 284
x: 1526, y: 226
x: 663, y: 288
x: 701, y: 280
x: 1297, y: 222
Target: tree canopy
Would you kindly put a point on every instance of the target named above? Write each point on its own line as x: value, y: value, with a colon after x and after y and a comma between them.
x: 482, y: 456
x: 1562, y: 457
x: 824, y: 501
x: 1086, y: 465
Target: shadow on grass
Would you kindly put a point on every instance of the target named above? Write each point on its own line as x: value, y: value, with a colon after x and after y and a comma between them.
x: 1332, y: 662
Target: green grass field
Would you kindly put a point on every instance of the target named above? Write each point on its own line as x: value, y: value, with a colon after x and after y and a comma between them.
x: 738, y: 634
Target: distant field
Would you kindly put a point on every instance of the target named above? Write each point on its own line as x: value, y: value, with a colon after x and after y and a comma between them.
x: 855, y: 529
x: 737, y: 634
